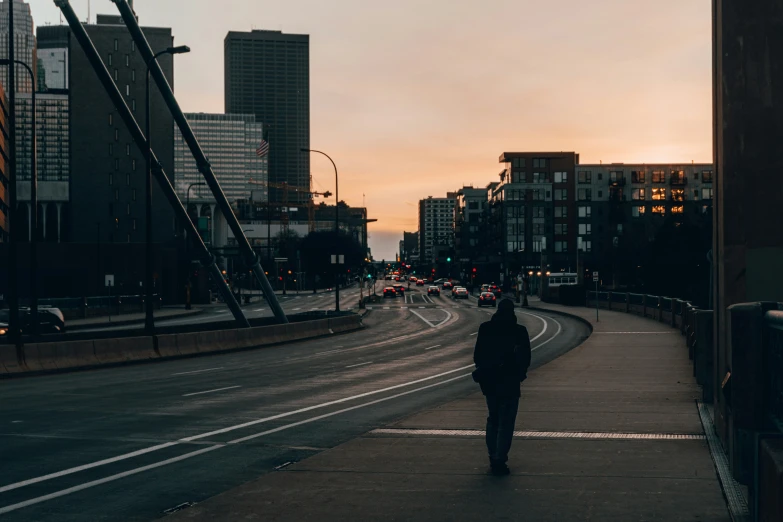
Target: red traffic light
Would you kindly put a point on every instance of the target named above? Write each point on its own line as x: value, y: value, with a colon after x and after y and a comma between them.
x: 474, y: 270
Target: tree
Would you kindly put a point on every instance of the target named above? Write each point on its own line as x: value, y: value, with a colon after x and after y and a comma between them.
x: 317, y: 248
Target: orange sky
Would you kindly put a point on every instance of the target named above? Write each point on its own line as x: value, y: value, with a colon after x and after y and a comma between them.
x: 414, y: 98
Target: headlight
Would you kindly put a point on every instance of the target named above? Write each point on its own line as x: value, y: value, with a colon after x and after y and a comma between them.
x: 3, y: 331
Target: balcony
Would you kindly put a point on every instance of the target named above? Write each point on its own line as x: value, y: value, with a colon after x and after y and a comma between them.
x: 617, y: 182
x: 678, y: 181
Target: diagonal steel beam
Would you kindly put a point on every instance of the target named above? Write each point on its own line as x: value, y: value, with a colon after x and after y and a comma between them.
x: 251, y: 258
x: 205, y: 256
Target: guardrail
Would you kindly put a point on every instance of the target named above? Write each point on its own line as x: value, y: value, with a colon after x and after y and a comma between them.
x: 80, y: 354
x: 746, y: 387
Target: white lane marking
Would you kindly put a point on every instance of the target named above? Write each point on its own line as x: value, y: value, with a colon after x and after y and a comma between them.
x: 386, y: 308
x: 474, y: 333
x: 538, y: 317
x: 360, y: 364
x: 221, y: 311
x: 259, y: 309
x: 211, y: 391
x: 351, y: 408
x: 422, y: 307
x: 197, y: 371
x: 431, y: 347
x: 86, y: 485
x: 295, y: 309
x: 448, y: 316
x: 559, y: 329
x: 68, y: 471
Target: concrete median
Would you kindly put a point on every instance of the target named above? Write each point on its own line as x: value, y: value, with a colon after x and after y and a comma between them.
x: 54, y: 356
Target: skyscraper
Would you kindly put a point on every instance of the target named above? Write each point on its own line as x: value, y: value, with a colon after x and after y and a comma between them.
x: 267, y: 73
x: 24, y: 44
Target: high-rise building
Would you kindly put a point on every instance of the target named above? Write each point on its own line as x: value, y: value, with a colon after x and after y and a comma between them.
x: 24, y: 44
x: 108, y: 168
x: 4, y: 208
x: 229, y: 142
x: 436, y: 226
x: 267, y: 73
x: 52, y: 57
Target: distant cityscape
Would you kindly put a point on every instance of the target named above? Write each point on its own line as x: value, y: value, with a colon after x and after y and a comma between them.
x: 91, y: 174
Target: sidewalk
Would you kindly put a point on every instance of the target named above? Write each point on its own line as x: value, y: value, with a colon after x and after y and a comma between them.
x: 609, y: 431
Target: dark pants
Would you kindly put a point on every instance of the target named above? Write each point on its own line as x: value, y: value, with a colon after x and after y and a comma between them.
x: 500, y: 425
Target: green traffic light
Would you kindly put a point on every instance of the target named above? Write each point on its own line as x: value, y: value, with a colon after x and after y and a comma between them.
x: 448, y: 260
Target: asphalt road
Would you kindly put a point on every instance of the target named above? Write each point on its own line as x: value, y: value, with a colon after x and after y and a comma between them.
x: 129, y: 443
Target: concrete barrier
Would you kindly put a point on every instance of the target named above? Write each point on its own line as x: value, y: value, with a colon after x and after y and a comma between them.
x: 769, y: 503
x: 45, y: 357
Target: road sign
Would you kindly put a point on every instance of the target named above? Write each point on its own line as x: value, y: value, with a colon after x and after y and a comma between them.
x: 338, y: 259
x: 281, y: 259
x: 595, y: 277
x: 108, y: 279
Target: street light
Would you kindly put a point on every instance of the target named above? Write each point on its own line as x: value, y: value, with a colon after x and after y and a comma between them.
x: 336, y: 223
x: 149, y: 321
x: 33, y: 215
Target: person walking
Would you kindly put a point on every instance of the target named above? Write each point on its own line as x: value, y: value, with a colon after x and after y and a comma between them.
x: 502, y: 357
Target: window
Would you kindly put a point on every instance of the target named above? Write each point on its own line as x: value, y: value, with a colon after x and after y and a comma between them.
x: 637, y: 194
x: 695, y: 193
x: 600, y: 194
x: 127, y: 209
x: 695, y: 175
x: 584, y: 195
x: 587, y: 246
x: 116, y: 45
x: 561, y: 194
x: 127, y: 90
x: 585, y: 176
x: 133, y: 45
x: 677, y: 209
x: 561, y: 229
x: 115, y: 75
x: 539, y: 163
x: 109, y: 58
x: 111, y: 149
x: 116, y: 223
x: 585, y: 212
x: 538, y: 212
x: 637, y: 176
x: 658, y: 194
x: 585, y: 229
x: 706, y: 176
x: 116, y: 134
x: 706, y: 193
x: 561, y: 246
x: 678, y: 177
x: 561, y: 212
x: 541, y: 177
x: 127, y: 61
x: 518, y: 162
x: 127, y: 149
x: 116, y: 194
x: 678, y: 194
x: 111, y: 118
x: 600, y: 176
x: 518, y: 177
x: 133, y: 195
x: 538, y: 229
x: 561, y: 177
x: 659, y: 209
x: 133, y: 75
x: 127, y: 179
x: 116, y: 164
x: 616, y: 175
x: 133, y: 164
x: 658, y: 176
x: 637, y: 211
x: 133, y: 105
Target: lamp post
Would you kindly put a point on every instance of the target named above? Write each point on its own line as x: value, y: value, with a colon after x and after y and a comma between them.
x: 149, y: 321
x: 336, y: 224
x: 33, y: 202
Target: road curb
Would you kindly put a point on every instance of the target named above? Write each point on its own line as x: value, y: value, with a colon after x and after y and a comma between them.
x: 128, y: 322
x: 558, y: 312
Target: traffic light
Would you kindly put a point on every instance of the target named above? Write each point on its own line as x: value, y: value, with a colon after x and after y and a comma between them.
x: 448, y: 260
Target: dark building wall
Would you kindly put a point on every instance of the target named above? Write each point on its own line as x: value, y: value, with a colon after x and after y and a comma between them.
x: 107, y: 168
x: 267, y: 73
x: 4, y: 208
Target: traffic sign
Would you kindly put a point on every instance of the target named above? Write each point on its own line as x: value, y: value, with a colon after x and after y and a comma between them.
x: 595, y: 277
x: 281, y: 259
x: 108, y: 279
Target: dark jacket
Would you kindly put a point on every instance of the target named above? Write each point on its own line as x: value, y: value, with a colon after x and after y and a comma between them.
x: 502, y: 355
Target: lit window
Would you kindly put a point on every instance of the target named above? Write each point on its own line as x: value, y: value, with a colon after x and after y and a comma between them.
x: 706, y: 176
x: 116, y: 134
x: 111, y: 118
x: 561, y: 177
x: 561, y: 246
x: 561, y: 194
x: 706, y: 193
x: 637, y: 211
x: 678, y: 195
x: 659, y: 209
x: 585, y: 212
x: 658, y: 194
x: 561, y: 212
x: 127, y: 149
x: 637, y: 176
x: 127, y: 60
x: 637, y: 194
x: 678, y: 209
x: 587, y: 246
x: 116, y: 45
x: 659, y: 176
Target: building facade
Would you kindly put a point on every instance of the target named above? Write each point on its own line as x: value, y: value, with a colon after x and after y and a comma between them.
x: 107, y: 184
x: 4, y: 203
x: 470, y: 223
x: 436, y: 227
x: 52, y: 57
x: 229, y: 142
x: 24, y: 44
x: 267, y: 73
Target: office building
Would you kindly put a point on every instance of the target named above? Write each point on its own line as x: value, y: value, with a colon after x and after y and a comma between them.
x: 229, y: 142
x: 470, y: 223
x: 24, y: 44
x: 52, y: 57
x: 436, y: 227
x: 4, y: 203
x: 267, y: 73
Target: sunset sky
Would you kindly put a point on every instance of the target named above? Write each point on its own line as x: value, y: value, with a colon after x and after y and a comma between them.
x: 416, y: 98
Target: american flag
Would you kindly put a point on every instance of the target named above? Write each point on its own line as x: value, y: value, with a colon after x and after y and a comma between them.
x: 263, y: 148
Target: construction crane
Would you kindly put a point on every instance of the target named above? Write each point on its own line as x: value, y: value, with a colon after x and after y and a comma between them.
x: 284, y: 214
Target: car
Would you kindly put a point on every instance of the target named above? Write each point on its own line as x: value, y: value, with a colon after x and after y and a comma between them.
x: 495, y: 289
x: 460, y: 293
x: 412, y: 279
x: 484, y: 288
x: 396, y: 278
x: 50, y: 319
x: 399, y: 289
x: 420, y: 282
x: 433, y: 290
x: 389, y: 291
x: 447, y: 285
x: 487, y: 299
